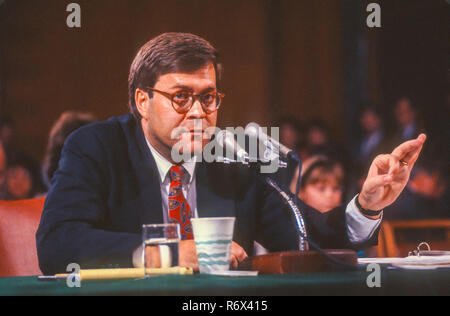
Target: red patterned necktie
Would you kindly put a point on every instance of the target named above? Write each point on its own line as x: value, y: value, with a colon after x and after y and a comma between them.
x: 179, y: 209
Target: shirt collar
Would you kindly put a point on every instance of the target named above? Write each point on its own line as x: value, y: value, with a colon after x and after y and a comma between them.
x: 164, y: 165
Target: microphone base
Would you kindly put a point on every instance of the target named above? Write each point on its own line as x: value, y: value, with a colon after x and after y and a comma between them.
x: 289, y: 262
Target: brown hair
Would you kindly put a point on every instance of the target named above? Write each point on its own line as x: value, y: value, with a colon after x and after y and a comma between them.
x: 63, y: 127
x: 321, y: 170
x: 166, y: 53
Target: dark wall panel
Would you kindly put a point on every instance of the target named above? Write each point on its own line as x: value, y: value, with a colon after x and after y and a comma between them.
x: 49, y: 68
x: 281, y: 57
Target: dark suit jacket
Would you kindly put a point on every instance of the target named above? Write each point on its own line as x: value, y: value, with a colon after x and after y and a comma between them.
x: 107, y: 186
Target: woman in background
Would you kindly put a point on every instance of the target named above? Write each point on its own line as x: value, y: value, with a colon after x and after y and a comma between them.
x: 22, y: 177
x: 65, y: 125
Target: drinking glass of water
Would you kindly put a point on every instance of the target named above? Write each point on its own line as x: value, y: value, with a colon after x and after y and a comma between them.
x: 161, y: 242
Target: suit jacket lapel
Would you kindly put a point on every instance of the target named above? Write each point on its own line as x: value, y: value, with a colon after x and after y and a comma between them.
x: 215, y: 195
x: 149, y: 197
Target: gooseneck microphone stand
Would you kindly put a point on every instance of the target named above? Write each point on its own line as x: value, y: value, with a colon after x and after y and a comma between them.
x: 287, y: 200
x: 302, y: 260
x: 296, y: 212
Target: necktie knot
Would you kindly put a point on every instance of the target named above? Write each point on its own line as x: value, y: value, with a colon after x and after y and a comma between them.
x: 176, y: 173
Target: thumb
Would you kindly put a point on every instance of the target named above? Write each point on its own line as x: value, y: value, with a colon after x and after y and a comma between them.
x: 373, y: 183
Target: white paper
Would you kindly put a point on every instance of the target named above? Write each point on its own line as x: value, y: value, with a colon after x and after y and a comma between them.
x: 412, y: 262
x: 235, y: 273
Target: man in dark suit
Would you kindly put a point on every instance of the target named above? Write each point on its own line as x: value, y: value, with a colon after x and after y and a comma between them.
x: 117, y: 175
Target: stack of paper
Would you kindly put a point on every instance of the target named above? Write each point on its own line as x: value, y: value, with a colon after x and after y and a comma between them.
x: 412, y: 262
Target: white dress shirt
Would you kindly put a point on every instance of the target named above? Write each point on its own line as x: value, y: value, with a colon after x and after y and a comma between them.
x: 359, y: 227
x: 187, y: 182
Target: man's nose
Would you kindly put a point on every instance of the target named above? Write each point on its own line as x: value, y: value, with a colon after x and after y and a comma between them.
x: 196, y: 110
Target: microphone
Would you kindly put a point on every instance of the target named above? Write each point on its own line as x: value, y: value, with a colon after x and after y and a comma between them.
x: 226, y: 140
x: 255, y: 131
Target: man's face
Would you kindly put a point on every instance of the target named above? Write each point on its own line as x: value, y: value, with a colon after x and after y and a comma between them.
x: 6, y: 133
x: 404, y: 112
x: 288, y: 135
x: 159, y: 118
x: 370, y: 121
x: 316, y: 137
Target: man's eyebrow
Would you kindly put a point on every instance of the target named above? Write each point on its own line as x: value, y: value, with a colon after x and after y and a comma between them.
x: 183, y: 87
x: 209, y: 89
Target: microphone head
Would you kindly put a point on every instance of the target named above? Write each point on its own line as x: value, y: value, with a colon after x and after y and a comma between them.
x: 252, y: 130
x: 274, y: 147
x: 226, y: 140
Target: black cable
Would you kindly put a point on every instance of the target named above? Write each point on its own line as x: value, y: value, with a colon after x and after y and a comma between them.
x: 293, y: 156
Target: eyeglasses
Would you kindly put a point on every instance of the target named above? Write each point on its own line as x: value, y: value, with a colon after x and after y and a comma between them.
x: 183, y: 100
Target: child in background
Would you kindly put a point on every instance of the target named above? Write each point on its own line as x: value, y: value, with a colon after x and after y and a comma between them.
x: 321, y: 184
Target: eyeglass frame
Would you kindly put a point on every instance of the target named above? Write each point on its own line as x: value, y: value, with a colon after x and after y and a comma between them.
x: 170, y: 96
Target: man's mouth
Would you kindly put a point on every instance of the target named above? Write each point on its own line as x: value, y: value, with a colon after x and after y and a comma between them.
x: 198, y: 133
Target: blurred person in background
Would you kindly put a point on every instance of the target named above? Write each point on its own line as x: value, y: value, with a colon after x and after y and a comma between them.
x: 374, y: 136
x: 290, y: 137
x: 316, y: 138
x: 6, y: 134
x: 67, y: 123
x: 406, y: 118
x: 318, y: 141
x: 372, y: 142
x: 3, y: 168
x: 289, y: 133
x: 322, y: 183
x: 426, y: 195
x: 22, y: 178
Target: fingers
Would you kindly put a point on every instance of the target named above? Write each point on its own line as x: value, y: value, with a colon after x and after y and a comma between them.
x: 422, y: 138
x: 373, y: 183
x: 234, y: 262
x: 188, y: 254
x: 394, y: 165
x: 387, y: 164
x: 380, y: 165
x: 238, y: 254
x: 409, y: 151
x: 415, y: 155
x: 383, y: 166
x: 238, y: 251
x: 152, y: 257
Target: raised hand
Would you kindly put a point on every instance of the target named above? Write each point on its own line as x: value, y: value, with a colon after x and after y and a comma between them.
x: 389, y: 174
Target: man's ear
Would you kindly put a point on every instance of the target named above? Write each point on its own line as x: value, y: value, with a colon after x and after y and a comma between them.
x: 142, y: 100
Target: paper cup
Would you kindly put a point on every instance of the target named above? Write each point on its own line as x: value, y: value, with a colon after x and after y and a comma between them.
x: 213, y: 236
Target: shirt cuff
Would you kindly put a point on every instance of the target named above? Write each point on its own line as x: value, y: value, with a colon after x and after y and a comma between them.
x: 359, y: 228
